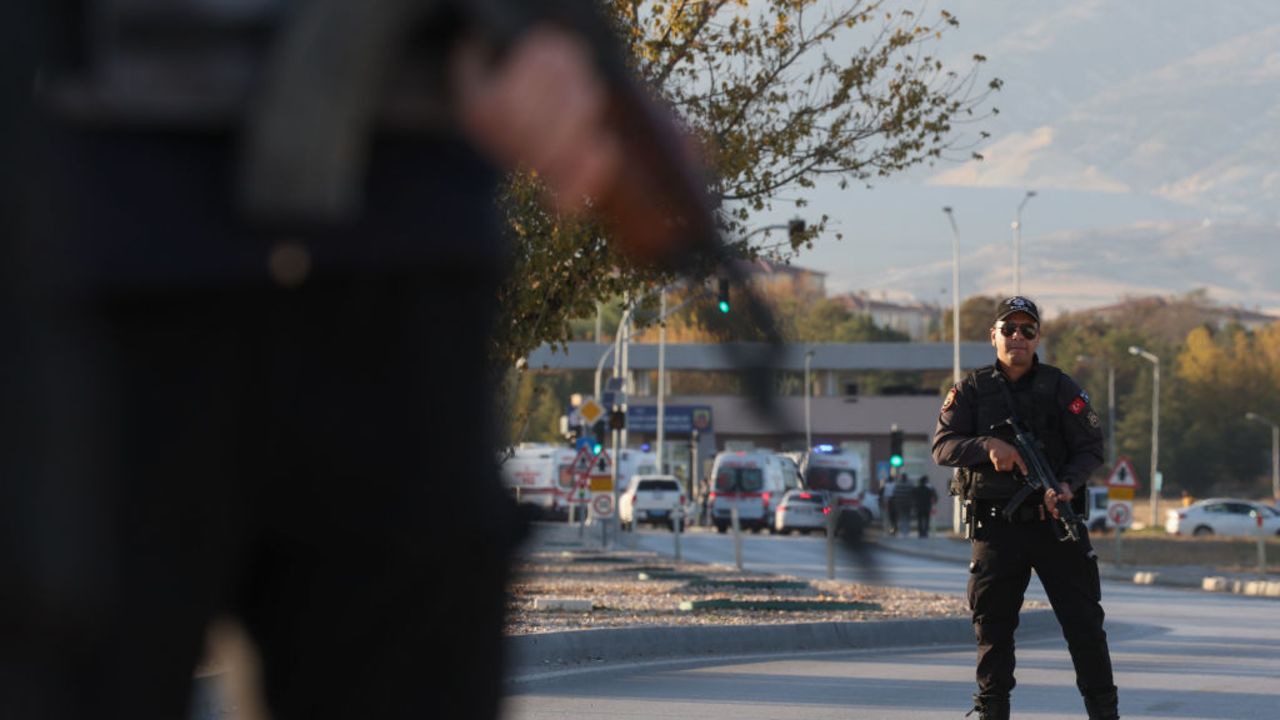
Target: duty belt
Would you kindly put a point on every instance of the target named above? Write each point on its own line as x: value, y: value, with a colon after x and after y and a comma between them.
x: 991, y: 511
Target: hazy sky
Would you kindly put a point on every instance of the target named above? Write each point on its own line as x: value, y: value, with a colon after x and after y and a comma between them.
x: 1150, y: 130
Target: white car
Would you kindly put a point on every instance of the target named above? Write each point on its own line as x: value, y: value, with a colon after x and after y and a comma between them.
x: 1222, y: 516
x: 1099, y: 501
x: 802, y: 510
x: 651, y: 499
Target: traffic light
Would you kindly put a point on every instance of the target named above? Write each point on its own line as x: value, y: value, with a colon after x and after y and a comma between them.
x: 895, y: 447
x: 724, y: 295
x: 599, y: 431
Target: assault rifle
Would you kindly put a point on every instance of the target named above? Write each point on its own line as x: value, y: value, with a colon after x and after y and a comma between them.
x: 1039, y: 478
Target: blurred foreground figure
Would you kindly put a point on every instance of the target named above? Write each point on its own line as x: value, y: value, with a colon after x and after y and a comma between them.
x: 236, y: 383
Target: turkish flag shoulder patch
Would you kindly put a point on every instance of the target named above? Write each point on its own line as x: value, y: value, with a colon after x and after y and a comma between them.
x: 1077, y: 406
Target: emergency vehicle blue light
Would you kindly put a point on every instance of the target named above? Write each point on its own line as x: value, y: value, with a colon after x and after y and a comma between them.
x: 824, y: 448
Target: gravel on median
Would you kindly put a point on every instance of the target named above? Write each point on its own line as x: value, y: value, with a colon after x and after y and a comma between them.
x: 620, y: 598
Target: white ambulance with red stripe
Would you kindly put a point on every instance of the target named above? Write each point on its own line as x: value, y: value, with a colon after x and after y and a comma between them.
x: 839, y: 474
x: 753, y: 482
x: 541, y: 475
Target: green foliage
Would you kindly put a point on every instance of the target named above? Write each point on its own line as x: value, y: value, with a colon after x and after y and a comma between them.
x: 778, y: 99
x: 1210, y: 378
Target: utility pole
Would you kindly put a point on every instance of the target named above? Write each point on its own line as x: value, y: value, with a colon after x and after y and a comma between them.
x: 955, y: 294
x: 1155, y: 428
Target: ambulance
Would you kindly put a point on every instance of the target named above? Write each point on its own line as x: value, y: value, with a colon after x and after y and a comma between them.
x: 753, y: 482
x: 541, y: 475
x: 839, y: 474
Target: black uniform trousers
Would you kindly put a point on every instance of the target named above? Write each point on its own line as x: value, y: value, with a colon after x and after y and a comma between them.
x: 1004, y: 554
x: 315, y: 461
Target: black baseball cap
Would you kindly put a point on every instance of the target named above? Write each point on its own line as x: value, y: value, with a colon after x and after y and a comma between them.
x: 1017, y: 304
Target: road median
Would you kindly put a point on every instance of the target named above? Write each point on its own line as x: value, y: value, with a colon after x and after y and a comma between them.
x: 547, y: 653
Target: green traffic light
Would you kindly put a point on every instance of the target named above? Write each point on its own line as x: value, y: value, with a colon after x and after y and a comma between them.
x: 724, y: 306
x: 595, y: 449
x: 896, y: 461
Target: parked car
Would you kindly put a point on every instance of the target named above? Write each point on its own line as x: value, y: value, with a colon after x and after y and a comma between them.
x: 1099, y: 499
x: 754, y: 483
x: 1222, y: 516
x: 652, y: 499
x: 802, y: 510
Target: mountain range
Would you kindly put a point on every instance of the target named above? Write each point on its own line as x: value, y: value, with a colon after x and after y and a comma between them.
x: 1150, y: 131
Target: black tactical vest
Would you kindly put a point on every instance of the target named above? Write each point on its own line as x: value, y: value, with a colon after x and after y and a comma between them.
x: 1037, y: 406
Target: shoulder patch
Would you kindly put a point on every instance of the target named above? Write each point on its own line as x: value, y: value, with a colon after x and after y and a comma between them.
x: 1094, y: 421
x: 951, y: 399
x: 1085, y: 395
x: 1077, y: 406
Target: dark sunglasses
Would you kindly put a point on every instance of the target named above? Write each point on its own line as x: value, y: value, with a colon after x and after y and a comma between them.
x: 1028, y: 330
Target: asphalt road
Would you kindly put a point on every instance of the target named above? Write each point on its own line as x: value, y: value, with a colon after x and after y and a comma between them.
x: 1177, y: 654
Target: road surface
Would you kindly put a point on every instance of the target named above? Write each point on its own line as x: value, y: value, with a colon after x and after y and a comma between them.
x: 1177, y: 654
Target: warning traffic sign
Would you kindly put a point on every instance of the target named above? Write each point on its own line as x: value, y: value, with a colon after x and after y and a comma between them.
x: 602, y: 464
x: 1122, y: 484
x: 1122, y: 474
x: 582, y: 462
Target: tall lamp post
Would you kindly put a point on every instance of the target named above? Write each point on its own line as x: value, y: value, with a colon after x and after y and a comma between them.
x: 1017, y: 242
x: 955, y: 294
x: 808, y: 424
x: 1155, y: 427
x: 1275, y: 451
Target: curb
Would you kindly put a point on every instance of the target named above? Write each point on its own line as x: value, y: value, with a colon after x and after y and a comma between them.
x: 1173, y: 578
x: 533, y: 655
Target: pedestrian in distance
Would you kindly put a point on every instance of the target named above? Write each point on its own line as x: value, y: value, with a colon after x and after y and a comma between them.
x: 904, y: 503
x: 248, y: 277
x: 925, y: 498
x: 1006, y: 548
x: 889, y: 509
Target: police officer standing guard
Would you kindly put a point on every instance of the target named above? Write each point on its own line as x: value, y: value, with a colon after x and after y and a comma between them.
x: 1007, y: 546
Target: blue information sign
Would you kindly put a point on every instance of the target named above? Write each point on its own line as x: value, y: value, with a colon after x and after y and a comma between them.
x: 677, y: 419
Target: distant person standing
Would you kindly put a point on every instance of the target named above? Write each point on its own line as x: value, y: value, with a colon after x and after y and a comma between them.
x: 926, y: 498
x: 887, y: 509
x: 903, y: 501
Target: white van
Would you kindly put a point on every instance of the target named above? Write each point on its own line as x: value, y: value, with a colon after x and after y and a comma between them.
x: 632, y: 463
x: 753, y: 482
x: 541, y: 475
x: 838, y: 474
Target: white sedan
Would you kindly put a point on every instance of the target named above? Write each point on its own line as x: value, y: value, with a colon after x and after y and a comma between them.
x: 1222, y: 516
x: 802, y: 510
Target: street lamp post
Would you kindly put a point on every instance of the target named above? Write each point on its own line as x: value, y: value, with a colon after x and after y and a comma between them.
x: 1017, y: 242
x: 662, y: 375
x: 808, y: 425
x: 1275, y: 451
x: 955, y: 294
x: 1155, y: 427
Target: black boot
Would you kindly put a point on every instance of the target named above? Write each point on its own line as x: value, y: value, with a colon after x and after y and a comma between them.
x: 990, y: 708
x: 1103, y: 706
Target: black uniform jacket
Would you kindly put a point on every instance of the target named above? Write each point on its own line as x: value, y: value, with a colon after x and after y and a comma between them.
x: 1058, y: 410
